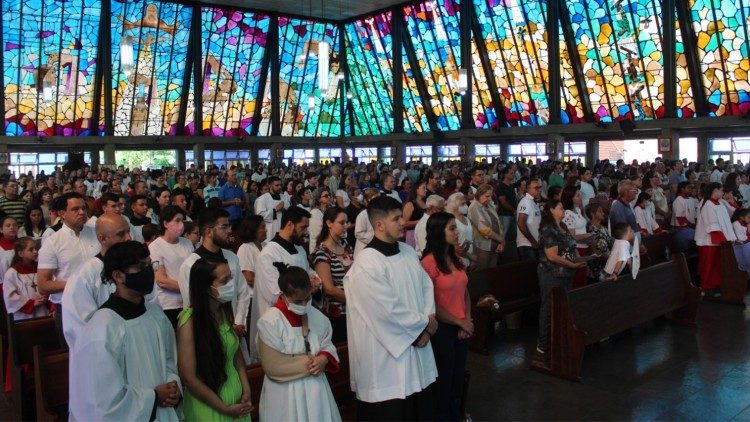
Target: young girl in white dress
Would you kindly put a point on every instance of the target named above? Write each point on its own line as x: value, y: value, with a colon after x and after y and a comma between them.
x: 294, y: 343
x: 19, y: 291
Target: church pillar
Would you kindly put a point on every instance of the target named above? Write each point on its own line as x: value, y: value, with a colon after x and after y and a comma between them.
x: 199, y: 155
x: 555, y: 147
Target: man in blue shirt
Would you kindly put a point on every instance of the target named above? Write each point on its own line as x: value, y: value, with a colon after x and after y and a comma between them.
x: 233, y: 198
x: 621, y: 211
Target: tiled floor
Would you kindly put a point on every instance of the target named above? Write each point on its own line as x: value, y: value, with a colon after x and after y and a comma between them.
x: 657, y: 371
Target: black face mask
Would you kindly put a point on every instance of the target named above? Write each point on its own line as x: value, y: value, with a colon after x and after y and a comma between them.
x: 142, y: 281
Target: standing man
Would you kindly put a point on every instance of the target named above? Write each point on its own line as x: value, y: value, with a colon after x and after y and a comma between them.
x: 11, y: 204
x: 528, y: 217
x: 507, y: 203
x: 271, y: 206
x: 389, y: 187
x: 233, y: 198
x: 211, y: 190
x: 64, y: 252
x: 435, y: 204
x: 390, y: 318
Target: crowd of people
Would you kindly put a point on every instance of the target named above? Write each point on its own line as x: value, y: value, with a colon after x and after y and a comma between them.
x: 166, y: 283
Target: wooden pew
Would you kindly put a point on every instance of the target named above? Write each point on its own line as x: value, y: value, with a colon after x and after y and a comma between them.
x: 339, y: 382
x: 22, y: 337
x: 733, y: 280
x: 587, y: 315
x: 656, y: 246
x: 515, y: 286
x: 51, y: 384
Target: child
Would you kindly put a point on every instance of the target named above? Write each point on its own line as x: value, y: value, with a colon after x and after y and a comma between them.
x: 712, y: 229
x: 294, y: 343
x: 644, y: 217
x: 740, y: 221
x: 150, y: 233
x: 8, y: 236
x: 620, y: 254
x: 684, y: 212
x: 192, y: 234
x: 19, y: 292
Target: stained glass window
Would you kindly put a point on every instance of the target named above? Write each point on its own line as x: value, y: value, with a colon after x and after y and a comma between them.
x: 299, y: 42
x: 146, y: 95
x: 369, y: 50
x: 620, y: 46
x: 435, y: 34
x: 723, y: 44
x: 49, y: 50
x: 233, y: 47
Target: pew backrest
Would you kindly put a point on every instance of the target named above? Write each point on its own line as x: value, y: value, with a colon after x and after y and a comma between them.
x: 508, y: 282
x: 51, y: 384
x: 23, y: 335
x: 656, y: 247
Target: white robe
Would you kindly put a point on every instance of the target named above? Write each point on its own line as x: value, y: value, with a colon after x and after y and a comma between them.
x: 266, y: 288
x: 84, y: 293
x: 19, y: 289
x: 713, y: 218
x: 116, y: 363
x: 265, y: 206
x: 304, y: 399
x: 388, y: 301
x: 363, y: 231
x: 5, y: 258
x: 645, y: 220
x: 315, y: 227
x: 242, y: 298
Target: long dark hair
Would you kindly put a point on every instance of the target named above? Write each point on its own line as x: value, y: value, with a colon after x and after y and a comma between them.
x: 27, y: 220
x: 209, y: 351
x: 328, y: 216
x: 708, y: 190
x: 438, y: 246
x: 568, y: 193
x: 547, y: 218
x: 248, y: 229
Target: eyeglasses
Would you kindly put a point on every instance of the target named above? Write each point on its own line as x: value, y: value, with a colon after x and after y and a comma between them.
x: 221, y: 226
x: 325, y: 195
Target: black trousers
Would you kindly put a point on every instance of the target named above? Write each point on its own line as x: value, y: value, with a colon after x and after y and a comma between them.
x: 59, y: 326
x: 416, y: 407
x: 450, y: 358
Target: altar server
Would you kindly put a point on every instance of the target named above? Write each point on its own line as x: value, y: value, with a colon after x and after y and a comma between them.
x: 713, y: 229
x: 19, y: 284
x: 286, y: 247
x: 271, y: 206
x: 123, y: 364
x: 684, y: 213
x: 294, y: 340
x: 390, y: 319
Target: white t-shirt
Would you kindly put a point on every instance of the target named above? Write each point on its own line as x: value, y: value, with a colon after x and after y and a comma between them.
x: 66, y: 252
x: 170, y: 256
x: 576, y: 223
x: 528, y: 206
x: 587, y: 192
x: 620, y: 252
x: 248, y: 255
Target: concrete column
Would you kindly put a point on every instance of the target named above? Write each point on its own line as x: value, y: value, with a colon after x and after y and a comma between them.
x: 592, y: 152
x: 398, y: 151
x: 181, y: 164
x: 555, y: 147
x: 4, y: 157
x: 674, y: 135
x: 199, y: 155
x: 109, y: 155
x: 467, y: 150
x: 504, y: 151
x: 95, y: 159
x: 703, y: 149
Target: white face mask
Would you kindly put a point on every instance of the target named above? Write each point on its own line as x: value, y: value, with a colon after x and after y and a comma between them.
x: 298, y: 309
x: 225, y: 292
x: 463, y: 209
x: 360, y: 197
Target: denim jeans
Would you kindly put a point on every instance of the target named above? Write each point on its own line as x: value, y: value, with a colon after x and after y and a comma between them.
x: 527, y: 253
x: 547, y: 282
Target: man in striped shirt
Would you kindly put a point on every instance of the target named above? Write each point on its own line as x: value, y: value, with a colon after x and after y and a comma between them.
x: 11, y: 204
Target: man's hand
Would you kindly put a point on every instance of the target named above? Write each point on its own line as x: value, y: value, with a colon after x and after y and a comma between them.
x: 167, y: 395
x: 279, y: 206
x: 432, y: 324
x: 423, y: 340
x: 315, y: 282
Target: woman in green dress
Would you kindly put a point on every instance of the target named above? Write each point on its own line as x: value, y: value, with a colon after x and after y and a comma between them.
x: 209, y: 360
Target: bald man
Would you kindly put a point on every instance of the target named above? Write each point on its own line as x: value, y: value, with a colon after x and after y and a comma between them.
x: 84, y: 292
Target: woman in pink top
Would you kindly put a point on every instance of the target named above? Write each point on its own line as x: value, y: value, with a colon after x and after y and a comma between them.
x: 449, y: 343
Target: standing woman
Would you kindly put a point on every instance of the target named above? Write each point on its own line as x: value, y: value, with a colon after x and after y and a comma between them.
x: 208, y: 350
x: 572, y: 199
x: 489, y: 239
x: 453, y: 312
x: 321, y: 202
x: 414, y: 210
x: 712, y: 229
x: 44, y: 199
x: 456, y: 205
x: 601, y: 242
x: 162, y: 196
x: 556, y: 267
x: 331, y: 260
x: 33, y: 224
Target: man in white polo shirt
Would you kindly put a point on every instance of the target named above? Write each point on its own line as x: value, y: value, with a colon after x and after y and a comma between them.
x: 63, y: 253
x: 528, y: 218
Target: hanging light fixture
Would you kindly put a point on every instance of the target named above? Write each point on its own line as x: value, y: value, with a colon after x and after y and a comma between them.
x: 126, y: 55
x: 463, y: 80
x: 311, y: 100
x: 324, y: 50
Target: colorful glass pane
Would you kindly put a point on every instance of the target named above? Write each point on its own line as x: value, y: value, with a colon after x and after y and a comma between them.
x: 415, y: 118
x: 435, y: 34
x: 369, y: 52
x: 146, y: 95
x: 49, y: 63
x: 233, y: 47
x: 299, y: 44
x: 723, y: 44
